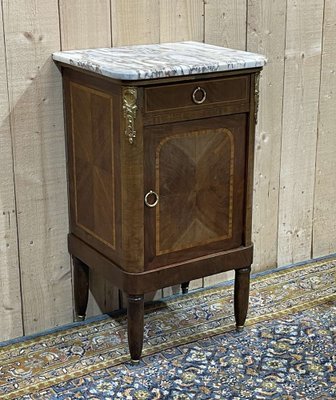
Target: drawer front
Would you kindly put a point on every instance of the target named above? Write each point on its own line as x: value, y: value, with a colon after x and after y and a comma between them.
x: 197, y: 94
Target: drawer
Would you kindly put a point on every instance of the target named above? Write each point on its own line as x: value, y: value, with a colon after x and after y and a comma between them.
x: 197, y: 94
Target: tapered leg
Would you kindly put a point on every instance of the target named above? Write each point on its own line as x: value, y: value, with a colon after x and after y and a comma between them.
x: 81, y: 287
x: 135, y: 320
x: 241, y: 296
x: 185, y: 287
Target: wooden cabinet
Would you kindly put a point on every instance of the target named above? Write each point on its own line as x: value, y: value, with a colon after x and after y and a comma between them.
x: 160, y: 182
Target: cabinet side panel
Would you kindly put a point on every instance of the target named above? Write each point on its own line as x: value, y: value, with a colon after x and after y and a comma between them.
x: 92, y: 115
x: 92, y: 127
x: 254, y: 95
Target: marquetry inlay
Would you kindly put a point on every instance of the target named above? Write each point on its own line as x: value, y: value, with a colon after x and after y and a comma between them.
x: 194, y: 178
x: 92, y: 125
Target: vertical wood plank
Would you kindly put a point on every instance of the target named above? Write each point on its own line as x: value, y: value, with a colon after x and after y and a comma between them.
x: 266, y: 35
x: 181, y: 20
x: 85, y: 25
x: 135, y: 22
x: 193, y: 285
x: 301, y: 94
x: 225, y: 23
x: 324, y: 225
x: 35, y: 97
x: 10, y: 295
x: 97, y: 295
x: 218, y: 278
x: 103, y: 296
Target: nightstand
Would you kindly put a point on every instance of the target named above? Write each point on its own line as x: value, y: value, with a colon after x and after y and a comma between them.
x: 160, y: 148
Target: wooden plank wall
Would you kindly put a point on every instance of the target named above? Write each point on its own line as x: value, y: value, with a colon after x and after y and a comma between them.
x: 324, y: 225
x: 295, y: 168
x: 303, y: 49
x: 10, y: 291
x: 266, y: 34
x: 31, y: 32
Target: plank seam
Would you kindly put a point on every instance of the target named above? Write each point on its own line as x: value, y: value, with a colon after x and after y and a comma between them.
x: 246, y: 23
x: 317, y: 131
x: 18, y: 258
x: 159, y: 5
x: 59, y: 24
x: 281, y: 131
x: 111, y: 22
x: 204, y: 2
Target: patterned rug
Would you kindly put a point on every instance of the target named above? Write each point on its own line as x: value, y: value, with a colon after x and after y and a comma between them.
x: 191, y: 350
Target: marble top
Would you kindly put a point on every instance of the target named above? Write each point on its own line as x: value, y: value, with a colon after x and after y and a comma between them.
x: 159, y: 60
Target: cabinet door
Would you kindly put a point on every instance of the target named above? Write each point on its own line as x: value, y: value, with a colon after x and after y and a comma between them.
x: 197, y: 170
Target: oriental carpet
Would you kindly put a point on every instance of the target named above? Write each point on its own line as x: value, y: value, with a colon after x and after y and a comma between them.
x: 191, y: 351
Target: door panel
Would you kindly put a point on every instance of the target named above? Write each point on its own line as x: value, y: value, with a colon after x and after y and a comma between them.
x: 197, y: 169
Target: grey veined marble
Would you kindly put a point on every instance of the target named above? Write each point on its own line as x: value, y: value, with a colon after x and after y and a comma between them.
x: 159, y: 60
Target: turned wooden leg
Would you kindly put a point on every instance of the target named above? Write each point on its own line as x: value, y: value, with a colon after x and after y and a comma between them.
x: 241, y: 296
x: 81, y: 287
x: 135, y: 321
x: 185, y: 287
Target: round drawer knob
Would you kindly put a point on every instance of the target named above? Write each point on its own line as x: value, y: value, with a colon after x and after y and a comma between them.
x: 199, y: 95
x: 155, y: 196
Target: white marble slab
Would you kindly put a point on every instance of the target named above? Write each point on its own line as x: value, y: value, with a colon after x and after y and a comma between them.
x: 159, y: 60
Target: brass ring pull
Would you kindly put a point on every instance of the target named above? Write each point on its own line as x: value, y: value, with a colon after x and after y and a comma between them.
x: 202, y: 99
x: 151, y: 193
